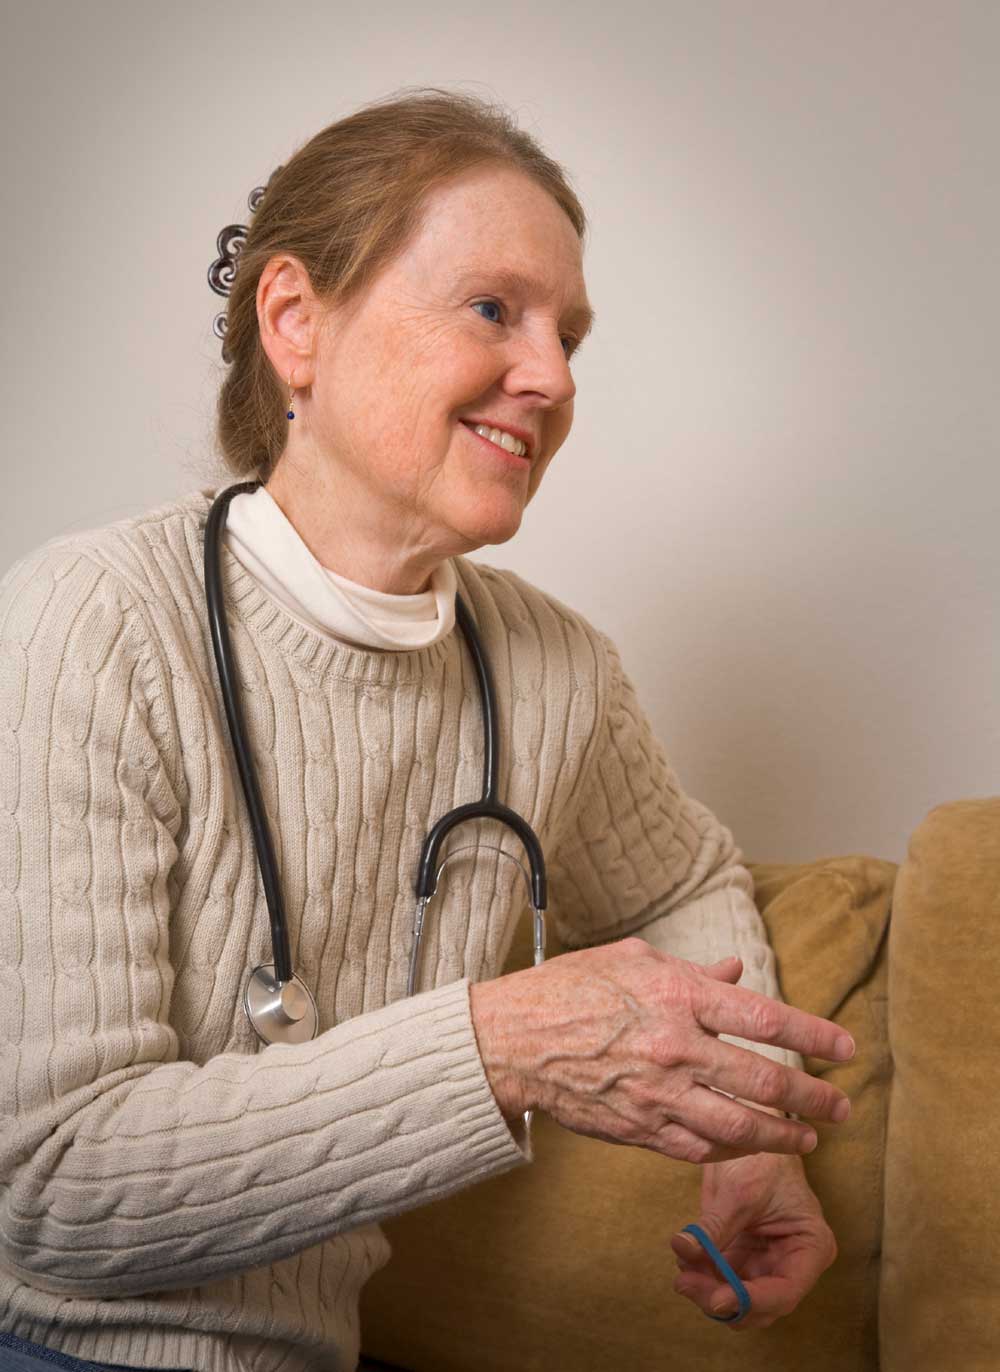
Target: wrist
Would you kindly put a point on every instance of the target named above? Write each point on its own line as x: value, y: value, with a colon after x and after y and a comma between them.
x: 486, y: 1002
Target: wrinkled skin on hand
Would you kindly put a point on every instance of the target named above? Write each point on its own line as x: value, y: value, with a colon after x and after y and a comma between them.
x: 621, y: 1042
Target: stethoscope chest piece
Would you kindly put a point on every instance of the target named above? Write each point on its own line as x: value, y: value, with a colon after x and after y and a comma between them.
x: 280, y: 1012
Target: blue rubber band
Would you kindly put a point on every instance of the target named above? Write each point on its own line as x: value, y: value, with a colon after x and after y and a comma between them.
x: 742, y: 1294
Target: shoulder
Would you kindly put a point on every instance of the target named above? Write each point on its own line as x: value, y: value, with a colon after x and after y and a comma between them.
x: 99, y: 590
x: 127, y: 558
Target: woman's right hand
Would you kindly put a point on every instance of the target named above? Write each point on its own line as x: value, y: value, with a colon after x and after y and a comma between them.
x: 620, y: 1042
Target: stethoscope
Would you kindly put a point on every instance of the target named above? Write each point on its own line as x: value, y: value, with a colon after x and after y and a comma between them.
x: 278, y: 1004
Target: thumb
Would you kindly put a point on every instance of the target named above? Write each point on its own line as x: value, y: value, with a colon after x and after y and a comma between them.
x: 720, y: 1227
x: 722, y: 1224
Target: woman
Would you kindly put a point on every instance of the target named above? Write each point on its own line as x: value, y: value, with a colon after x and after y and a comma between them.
x: 177, y: 1194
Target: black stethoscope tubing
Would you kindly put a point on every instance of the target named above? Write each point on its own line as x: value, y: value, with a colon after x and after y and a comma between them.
x: 487, y: 807
x: 215, y: 600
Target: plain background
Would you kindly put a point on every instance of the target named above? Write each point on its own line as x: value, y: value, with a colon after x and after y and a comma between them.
x: 781, y: 493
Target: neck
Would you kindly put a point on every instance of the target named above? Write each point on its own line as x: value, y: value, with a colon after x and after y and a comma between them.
x: 351, y: 533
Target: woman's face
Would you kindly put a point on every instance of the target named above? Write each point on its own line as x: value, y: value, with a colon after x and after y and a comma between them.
x: 475, y: 320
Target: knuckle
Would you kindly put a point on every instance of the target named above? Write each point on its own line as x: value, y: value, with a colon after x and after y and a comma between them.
x: 645, y: 1101
x: 666, y: 1046
x: 701, y: 1150
x: 684, y: 1146
x: 740, y: 1131
x: 766, y: 1019
x: 770, y: 1083
x: 764, y: 1081
x: 633, y: 1135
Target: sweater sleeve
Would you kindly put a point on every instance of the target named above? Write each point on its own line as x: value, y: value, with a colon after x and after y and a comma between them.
x: 642, y: 857
x: 123, y: 1168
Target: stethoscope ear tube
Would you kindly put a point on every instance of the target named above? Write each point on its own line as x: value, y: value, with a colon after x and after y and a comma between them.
x: 537, y: 912
x: 215, y: 600
x: 488, y: 807
x: 278, y: 1004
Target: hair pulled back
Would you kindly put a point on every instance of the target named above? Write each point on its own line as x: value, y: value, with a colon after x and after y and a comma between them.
x: 345, y: 204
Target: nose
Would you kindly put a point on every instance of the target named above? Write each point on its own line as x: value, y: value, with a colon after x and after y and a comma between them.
x: 541, y: 366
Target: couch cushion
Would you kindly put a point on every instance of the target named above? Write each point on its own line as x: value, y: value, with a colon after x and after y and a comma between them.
x: 939, y: 1306
x: 565, y: 1266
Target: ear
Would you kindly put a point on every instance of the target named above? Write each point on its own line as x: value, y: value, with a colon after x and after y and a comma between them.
x: 288, y: 316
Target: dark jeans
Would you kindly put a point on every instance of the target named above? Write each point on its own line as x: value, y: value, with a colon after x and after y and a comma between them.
x: 18, y: 1356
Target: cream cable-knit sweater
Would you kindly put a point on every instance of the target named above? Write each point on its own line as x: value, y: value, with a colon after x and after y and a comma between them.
x: 174, y: 1195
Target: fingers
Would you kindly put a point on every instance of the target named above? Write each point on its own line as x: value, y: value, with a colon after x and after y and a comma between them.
x: 770, y: 1297
x: 737, y: 1130
x: 748, y: 1015
x: 711, y: 1128
x: 726, y: 969
x: 751, y: 1076
x: 675, y: 1140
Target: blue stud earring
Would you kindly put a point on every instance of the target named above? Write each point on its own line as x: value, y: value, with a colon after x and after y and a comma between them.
x: 291, y: 412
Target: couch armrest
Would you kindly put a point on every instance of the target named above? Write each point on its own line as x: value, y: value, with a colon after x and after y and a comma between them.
x: 938, y: 1305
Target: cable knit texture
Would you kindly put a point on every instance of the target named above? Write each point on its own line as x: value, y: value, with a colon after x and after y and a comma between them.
x: 173, y: 1194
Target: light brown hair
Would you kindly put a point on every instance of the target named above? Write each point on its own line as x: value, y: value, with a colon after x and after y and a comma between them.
x: 345, y: 204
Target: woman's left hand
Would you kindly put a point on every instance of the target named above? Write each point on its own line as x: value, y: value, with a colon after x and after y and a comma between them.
x: 764, y: 1218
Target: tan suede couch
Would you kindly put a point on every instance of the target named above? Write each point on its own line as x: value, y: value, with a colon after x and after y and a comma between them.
x: 565, y: 1266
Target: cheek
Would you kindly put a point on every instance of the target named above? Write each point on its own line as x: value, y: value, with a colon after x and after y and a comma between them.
x: 537, y: 472
x: 557, y: 428
x: 556, y: 433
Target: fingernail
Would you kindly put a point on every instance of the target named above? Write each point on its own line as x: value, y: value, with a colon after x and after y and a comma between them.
x: 725, y: 1305
x: 845, y: 1047
x: 688, y: 1242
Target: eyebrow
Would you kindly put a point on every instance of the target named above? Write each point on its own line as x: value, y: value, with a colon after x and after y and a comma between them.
x: 512, y: 280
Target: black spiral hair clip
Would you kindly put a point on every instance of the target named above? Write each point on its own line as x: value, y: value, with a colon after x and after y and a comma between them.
x: 222, y: 272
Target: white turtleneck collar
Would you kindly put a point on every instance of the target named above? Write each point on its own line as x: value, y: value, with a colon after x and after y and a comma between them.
x: 269, y: 546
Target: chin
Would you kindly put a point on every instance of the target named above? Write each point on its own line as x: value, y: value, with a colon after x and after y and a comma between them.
x: 482, y: 527
x: 486, y: 516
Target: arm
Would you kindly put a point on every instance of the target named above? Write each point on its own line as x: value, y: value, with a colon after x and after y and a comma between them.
x: 639, y: 856
x: 125, y: 1169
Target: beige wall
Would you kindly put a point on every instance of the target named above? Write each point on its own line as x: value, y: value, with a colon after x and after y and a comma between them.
x: 781, y: 493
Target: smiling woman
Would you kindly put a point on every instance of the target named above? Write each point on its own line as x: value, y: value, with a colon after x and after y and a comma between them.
x: 344, y: 206
x: 470, y: 324
x: 175, y: 1191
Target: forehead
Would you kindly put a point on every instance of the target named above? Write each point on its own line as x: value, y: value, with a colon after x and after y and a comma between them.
x: 498, y: 221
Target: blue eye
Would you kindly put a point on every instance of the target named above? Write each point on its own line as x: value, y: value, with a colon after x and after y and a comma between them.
x: 490, y: 304
x: 571, y: 345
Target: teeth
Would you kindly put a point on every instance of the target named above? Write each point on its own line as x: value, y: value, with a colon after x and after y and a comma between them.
x: 501, y: 439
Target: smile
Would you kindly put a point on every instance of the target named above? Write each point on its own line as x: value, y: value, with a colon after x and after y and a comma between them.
x: 499, y: 438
